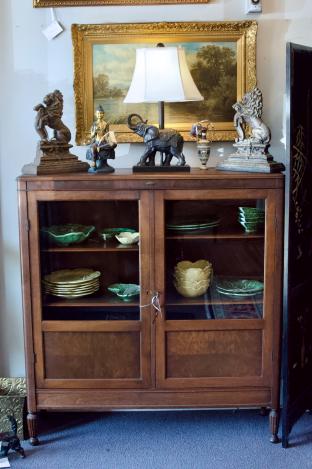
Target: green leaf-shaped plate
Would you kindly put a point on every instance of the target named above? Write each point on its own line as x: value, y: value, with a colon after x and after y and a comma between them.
x: 240, y: 286
x: 63, y: 235
x: 125, y: 291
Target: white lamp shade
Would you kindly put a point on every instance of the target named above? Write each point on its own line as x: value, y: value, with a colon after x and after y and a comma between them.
x: 162, y: 74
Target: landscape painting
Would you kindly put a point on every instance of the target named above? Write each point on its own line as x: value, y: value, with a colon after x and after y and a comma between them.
x: 220, y: 56
x: 88, y: 3
x: 213, y: 68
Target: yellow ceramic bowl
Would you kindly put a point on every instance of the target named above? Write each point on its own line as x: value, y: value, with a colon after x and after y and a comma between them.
x: 192, y: 279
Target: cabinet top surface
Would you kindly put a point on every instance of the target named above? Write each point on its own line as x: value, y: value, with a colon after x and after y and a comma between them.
x: 127, y: 174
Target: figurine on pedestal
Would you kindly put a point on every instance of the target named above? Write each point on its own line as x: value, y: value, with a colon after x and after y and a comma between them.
x: 53, y: 156
x: 252, y: 152
x: 102, y: 145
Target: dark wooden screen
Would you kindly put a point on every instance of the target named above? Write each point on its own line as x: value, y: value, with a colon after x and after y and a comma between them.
x: 297, y: 321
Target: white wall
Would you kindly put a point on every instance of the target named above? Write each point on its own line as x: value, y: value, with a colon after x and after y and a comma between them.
x: 32, y: 66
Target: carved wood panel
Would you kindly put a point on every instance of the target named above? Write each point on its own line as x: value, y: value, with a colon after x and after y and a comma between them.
x: 297, y: 344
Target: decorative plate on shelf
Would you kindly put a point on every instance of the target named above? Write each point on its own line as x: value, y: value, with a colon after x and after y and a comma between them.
x: 71, y: 283
x: 68, y: 276
x: 239, y: 287
x: 69, y: 295
x: 194, y: 225
x: 71, y: 288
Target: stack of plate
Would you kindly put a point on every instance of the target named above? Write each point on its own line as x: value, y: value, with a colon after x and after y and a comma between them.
x: 239, y: 287
x: 195, y: 225
x: 71, y: 283
x: 251, y: 218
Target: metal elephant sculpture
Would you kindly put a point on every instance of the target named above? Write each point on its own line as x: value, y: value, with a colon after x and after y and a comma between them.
x: 167, y: 141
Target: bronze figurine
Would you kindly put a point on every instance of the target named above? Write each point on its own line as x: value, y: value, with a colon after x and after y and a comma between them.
x: 49, y: 114
x: 53, y: 155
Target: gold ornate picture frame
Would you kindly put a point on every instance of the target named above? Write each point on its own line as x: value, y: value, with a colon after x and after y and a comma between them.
x: 89, y: 3
x: 221, y: 57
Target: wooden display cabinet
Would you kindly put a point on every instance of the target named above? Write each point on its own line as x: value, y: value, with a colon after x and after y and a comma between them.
x: 161, y: 350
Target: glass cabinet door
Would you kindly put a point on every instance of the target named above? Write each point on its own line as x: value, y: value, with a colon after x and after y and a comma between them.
x: 213, y: 293
x: 214, y: 260
x: 91, y: 282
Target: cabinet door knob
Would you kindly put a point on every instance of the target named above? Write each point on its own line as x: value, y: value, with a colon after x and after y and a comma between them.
x: 150, y: 183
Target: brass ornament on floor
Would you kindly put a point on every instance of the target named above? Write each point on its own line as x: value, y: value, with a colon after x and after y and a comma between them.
x: 12, y: 402
x: 9, y: 441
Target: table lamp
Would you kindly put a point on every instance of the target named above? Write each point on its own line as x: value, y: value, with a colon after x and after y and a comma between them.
x: 161, y: 75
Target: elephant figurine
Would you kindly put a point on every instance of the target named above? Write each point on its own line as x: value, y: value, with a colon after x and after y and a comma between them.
x: 167, y: 141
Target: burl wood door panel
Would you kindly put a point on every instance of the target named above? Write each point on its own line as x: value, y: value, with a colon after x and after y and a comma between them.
x: 213, y: 354
x: 92, y: 355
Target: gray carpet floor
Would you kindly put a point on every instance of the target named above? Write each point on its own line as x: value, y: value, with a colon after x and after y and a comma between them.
x: 214, y: 439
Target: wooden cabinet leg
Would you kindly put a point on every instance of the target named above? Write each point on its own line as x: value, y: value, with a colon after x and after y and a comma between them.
x: 32, y: 424
x: 274, y: 422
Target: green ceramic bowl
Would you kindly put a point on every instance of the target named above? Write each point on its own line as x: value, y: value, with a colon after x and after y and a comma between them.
x: 109, y: 233
x: 125, y: 291
x: 251, y: 211
x: 248, y: 219
x: 64, y: 235
x: 251, y: 227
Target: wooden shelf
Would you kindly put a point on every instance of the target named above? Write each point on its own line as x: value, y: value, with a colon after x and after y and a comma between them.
x: 201, y: 301
x: 88, y: 302
x: 93, y: 247
x: 233, y: 234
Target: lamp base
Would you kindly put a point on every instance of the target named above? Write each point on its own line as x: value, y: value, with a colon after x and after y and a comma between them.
x: 161, y: 169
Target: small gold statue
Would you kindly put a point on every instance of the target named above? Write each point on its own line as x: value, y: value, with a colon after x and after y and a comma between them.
x: 102, y: 144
